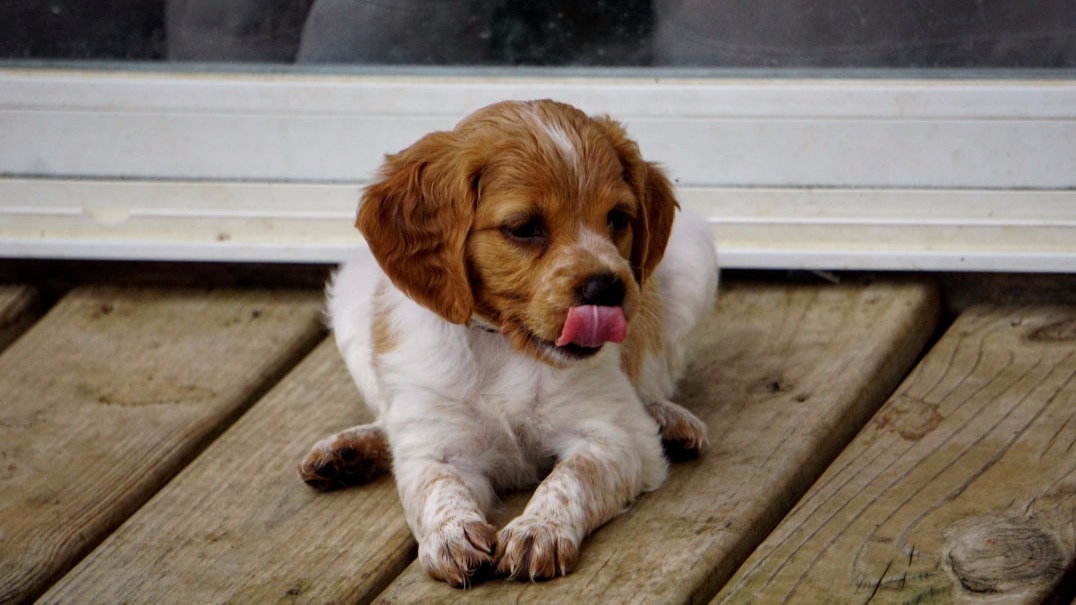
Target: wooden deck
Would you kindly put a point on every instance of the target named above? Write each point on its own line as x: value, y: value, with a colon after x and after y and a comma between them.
x: 865, y: 449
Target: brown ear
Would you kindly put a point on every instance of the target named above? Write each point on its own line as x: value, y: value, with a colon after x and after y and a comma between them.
x: 650, y: 230
x: 416, y: 218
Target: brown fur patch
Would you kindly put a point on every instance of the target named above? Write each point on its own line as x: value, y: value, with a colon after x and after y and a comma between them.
x: 416, y: 218
x: 382, y: 337
x: 651, y: 228
x: 527, y: 287
x: 351, y: 457
x: 645, y: 333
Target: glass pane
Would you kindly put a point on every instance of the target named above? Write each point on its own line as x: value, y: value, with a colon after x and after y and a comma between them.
x: 695, y: 33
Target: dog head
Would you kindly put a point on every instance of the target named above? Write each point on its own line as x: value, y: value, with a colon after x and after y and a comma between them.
x: 528, y: 217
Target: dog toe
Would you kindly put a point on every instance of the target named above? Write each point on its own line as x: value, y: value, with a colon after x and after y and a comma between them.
x: 458, y: 550
x: 683, y: 435
x: 535, y: 549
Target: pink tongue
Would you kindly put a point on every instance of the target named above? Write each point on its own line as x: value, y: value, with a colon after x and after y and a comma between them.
x: 593, y: 325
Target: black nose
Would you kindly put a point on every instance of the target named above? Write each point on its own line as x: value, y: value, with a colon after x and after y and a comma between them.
x: 604, y: 290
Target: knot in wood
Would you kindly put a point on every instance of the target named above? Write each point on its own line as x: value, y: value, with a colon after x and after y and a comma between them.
x: 1058, y: 331
x: 993, y: 555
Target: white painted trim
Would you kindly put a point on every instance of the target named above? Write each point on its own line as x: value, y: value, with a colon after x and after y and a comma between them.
x: 764, y: 228
x: 944, y: 174
x: 451, y: 96
x: 708, y: 132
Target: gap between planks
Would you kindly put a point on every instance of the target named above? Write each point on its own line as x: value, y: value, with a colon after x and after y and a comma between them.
x: 785, y: 375
x: 961, y: 489
x: 113, y: 392
x: 20, y: 306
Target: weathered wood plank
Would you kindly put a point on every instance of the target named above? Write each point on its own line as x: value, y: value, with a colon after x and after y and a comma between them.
x: 18, y: 310
x: 961, y: 489
x: 785, y: 376
x: 110, y: 394
x: 239, y: 526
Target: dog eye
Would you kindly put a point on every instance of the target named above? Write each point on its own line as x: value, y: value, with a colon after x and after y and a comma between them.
x: 529, y: 232
x: 618, y: 220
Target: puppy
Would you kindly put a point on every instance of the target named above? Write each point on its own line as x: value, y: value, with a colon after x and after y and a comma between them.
x: 517, y: 321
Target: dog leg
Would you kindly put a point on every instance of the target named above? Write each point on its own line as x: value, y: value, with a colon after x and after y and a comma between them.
x: 446, y: 514
x: 582, y: 492
x: 683, y: 435
x: 350, y: 457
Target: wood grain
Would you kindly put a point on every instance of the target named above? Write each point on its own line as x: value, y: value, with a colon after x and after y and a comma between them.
x: 111, y: 394
x: 784, y: 377
x: 239, y: 526
x: 18, y: 309
x: 961, y: 489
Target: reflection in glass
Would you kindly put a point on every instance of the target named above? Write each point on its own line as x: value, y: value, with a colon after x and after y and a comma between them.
x: 703, y: 33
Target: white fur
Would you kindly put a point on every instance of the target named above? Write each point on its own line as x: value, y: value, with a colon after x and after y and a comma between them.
x: 562, y: 141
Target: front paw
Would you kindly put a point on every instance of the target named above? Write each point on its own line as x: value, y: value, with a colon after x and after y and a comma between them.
x: 683, y: 435
x: 352, y: 457
x: 457, y: 549
x: 531, y: 548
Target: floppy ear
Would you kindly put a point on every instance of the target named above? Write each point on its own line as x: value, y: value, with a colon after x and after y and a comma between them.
x: 416, y: 218
x: 650, y: 230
